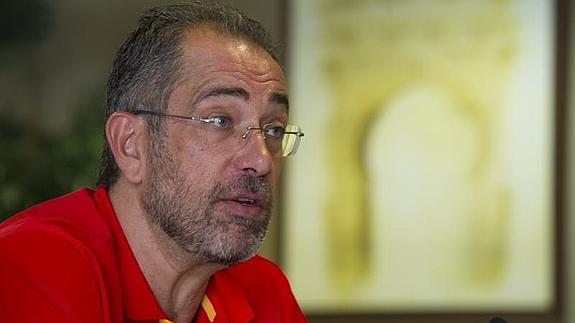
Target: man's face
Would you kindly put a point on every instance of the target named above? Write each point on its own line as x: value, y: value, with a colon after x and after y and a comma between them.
x: 212, y: 193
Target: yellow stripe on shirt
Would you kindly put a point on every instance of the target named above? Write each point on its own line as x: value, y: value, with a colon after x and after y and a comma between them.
x: 209, y: 308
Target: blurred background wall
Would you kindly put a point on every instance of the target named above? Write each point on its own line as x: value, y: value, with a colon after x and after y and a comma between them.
x: 427, y: 163
x: 54, y: 59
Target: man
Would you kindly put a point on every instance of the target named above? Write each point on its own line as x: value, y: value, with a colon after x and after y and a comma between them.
x: 196, y: 128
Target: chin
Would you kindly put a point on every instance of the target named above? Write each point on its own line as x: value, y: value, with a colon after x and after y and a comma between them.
x: 233, y: 250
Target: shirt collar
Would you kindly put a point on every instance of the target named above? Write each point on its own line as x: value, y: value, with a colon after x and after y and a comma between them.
x: 138, y: 299
x: 228, y: 298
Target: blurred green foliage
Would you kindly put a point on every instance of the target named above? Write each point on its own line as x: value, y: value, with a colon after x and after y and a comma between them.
x: 35, y: 166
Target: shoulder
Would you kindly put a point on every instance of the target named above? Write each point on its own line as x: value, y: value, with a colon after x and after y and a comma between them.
x: 37, y: 250
x: 268, y: 290
x: 55, y: 247
x: 39, y: 241
x: 73, y: 217
x: 46, y: 250
x: 49, y: 272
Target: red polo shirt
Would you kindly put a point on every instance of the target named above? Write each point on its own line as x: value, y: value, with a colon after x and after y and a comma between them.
x: 67, y: 260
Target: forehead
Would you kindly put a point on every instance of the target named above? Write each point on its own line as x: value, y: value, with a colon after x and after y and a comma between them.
x: 212, y: 56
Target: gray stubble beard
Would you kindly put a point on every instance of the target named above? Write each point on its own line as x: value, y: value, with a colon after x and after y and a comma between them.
x: 223, y: 239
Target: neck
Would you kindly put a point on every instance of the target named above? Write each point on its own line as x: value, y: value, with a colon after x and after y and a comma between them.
x: 177, y: 280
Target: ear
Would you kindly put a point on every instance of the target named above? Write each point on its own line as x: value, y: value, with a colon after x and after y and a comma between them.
x: 126, y: 135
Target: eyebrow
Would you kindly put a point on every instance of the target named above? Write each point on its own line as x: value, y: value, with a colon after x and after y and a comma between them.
x: 280, y: 99
x: 239, y: 93
x: 223, y: 91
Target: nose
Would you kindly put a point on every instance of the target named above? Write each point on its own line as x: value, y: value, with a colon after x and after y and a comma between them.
x: 254, y: 156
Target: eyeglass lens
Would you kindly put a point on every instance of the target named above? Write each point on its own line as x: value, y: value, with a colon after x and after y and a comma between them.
x: 235, y: 138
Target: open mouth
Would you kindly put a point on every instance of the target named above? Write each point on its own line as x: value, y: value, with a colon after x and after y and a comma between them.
x: 245, y: 206
x: 246, y: 201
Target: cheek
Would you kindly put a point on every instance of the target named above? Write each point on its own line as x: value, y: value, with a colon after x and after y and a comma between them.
x: 199, y: 165
x: 195, y: 164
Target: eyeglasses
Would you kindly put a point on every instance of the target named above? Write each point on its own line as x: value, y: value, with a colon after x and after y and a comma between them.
x: 220, y: 132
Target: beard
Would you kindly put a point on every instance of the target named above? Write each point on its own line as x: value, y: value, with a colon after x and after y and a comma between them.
x: 187, y: 214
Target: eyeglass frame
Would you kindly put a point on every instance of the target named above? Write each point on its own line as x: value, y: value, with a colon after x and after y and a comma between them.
x: 245, y: 135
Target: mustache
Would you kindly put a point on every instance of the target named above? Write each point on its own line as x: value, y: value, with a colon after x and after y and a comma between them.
x: 244, y: 184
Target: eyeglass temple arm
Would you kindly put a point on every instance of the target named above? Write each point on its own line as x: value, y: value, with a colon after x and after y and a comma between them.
x: 206, y: 120
x: 297, y: 133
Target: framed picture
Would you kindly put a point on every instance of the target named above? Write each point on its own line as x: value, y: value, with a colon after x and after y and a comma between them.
x: 427, y: 180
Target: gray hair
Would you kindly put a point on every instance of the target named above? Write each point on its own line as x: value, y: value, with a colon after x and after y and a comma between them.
x: 146, y: 68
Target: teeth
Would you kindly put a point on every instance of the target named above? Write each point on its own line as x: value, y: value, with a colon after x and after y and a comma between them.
x: 246, y: 201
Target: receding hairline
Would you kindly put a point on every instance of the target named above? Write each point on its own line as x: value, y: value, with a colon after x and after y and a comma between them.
x: 214, y: 29
x: 193, y: 36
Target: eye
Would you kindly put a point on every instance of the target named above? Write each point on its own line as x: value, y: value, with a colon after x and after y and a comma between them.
x: 274, y: 131
x: 220, y: 121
